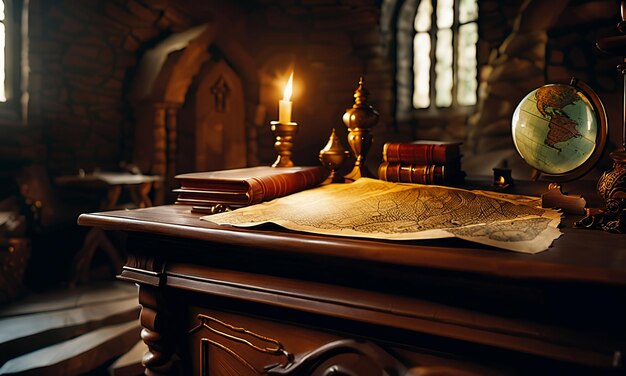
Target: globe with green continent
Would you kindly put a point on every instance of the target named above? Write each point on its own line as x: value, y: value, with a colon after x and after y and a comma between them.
x: 555, y: 128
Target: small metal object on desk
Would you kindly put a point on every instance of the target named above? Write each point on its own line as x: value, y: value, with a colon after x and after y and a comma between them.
x: 502, y: 177
x: 332, y: 157
x: 360, y: 119
x: 213, y: 209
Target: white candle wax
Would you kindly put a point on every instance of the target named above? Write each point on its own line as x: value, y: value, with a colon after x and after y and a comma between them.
x: 284, y: 111
x: 284, y: 105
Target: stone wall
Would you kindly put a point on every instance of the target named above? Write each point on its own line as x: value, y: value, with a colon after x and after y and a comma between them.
x: 84, y: 55
x: 550, y: 42
x: 330, y: 44
x: 522, y: 45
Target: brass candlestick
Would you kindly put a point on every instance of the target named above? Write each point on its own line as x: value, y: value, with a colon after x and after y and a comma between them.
x: 332, y: 156
x: 284, y: 133
x: 360, y: 119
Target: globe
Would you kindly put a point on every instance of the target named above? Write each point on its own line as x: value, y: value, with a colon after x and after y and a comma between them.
x: 555, y: 128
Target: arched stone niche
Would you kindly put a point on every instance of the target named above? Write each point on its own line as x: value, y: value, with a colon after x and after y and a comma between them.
x: 195, y: 100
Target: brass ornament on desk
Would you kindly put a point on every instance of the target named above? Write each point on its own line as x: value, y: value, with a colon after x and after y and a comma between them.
x: 360, y: 119
x: 612, y: 189
x: 284, y: 133
x: 332, y: 157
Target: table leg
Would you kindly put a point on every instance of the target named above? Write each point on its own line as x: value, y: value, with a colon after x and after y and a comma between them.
x: 157, y: 333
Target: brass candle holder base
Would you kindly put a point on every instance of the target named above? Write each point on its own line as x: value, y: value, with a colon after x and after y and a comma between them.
x: 284, y: 133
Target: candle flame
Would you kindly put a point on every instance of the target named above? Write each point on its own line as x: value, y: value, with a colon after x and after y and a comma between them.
x: 288, y: 89
x: 501, y: 181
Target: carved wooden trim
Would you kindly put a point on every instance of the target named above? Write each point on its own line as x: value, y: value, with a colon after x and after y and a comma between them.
x: 311, y: 362
x: 275, y: 347
x: 143, y: 269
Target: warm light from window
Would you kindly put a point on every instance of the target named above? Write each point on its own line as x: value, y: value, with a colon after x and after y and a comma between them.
x: 454, y: 42
x: 3, y: 97
x: 468, y: 11
x: 467, y: 70
x: 421, y: 55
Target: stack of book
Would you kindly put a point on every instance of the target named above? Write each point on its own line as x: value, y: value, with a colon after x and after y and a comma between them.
x: 245, y: 186
x: 423, y: 162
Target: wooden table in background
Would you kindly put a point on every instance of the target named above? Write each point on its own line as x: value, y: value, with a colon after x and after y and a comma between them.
x: 314, y: 305
x: 138, y: 187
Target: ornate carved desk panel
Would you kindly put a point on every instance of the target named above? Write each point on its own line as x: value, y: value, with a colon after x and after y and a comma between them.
x: 226, y: 301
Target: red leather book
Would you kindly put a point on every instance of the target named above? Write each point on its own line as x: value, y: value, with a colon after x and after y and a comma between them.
x: 422, y: 152
x: 422, y: 174
x: 256, y: 183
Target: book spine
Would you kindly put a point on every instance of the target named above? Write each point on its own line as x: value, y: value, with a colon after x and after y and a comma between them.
x: 270, y: 187
x: 425, y: 154
x: 239, y: 198
x: 198, y: 185
x: 421, y: 174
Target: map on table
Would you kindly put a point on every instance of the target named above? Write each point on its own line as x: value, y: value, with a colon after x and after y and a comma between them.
x: 555, y: 128
x: 370, y: 208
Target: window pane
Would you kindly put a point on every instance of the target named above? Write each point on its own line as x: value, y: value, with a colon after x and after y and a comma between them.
x: 423, y: 16
x: 443, y: 68
x: 3, y: 97
x: 445, y: 13
x: 468, y: 11
x: 2, y: 10
x: 421, y: 70
x: 467, y: 71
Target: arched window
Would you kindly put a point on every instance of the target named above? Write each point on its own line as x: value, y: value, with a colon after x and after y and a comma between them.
x: 444, y: 53
x: 435, y: 54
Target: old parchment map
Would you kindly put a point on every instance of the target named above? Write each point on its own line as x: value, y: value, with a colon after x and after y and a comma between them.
x: 376, y: 209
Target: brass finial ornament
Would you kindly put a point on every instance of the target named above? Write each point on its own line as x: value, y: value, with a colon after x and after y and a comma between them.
x: 360, y: 119
x: 332, y: 157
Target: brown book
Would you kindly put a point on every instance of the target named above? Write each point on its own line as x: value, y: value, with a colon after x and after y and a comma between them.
x: 422, y: 174
x: 214, y: 197
x: 258, y: 183
x: 422, y: 152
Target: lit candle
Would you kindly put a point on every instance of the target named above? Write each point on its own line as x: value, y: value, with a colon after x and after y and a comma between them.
x: 284, y: 105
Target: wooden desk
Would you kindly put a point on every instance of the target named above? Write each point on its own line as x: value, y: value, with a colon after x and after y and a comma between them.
x: 355, y: 307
